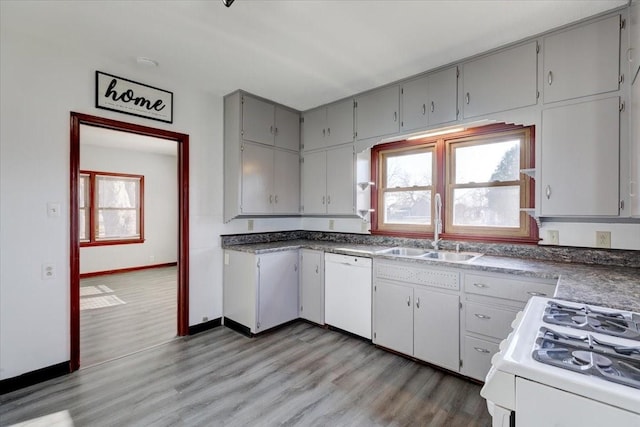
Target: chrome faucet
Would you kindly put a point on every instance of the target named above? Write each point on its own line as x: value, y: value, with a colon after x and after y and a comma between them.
x: 437, y: 229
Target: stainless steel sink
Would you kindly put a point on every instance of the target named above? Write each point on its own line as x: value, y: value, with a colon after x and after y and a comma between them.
x: 452, y: 256
x: 406, y: 252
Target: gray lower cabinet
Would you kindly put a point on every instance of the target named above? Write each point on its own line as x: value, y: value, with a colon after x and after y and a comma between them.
x: 500, y: 81
x: 415, y: 319
x: 582, y: 61
x: 491, y: 302
x: 312, y: 285
x: 260, y: 290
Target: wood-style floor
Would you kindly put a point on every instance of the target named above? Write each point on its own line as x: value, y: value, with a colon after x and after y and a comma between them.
x: 299, y: 375
x: 148, y: 318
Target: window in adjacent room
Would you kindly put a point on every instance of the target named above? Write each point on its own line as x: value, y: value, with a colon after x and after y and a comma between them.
x: 111, y: 208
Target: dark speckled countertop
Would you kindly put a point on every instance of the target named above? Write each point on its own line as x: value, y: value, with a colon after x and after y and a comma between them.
x: 604, y: 285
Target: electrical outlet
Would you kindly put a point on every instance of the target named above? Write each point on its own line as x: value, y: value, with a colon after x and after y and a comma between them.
x: 205, y: 319
x: 553, y: 237
x: 603, y: 239
x: 331, y: 224
x: 250, y: 225
x: 48, y: 271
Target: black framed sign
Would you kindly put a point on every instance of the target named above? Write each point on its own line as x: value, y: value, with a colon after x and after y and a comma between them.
x: 129, y: 97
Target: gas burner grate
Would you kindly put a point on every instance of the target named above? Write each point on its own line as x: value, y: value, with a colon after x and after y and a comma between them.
x: 589, y: 356
x: 617, y: 324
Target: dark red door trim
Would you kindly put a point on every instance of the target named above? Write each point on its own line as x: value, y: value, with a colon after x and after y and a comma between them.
x: 183, y: 218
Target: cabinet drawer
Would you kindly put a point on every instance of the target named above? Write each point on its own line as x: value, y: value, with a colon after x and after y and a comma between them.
x: 477, y: 356
x: 492, y: 286
x: 536, y: 290
x: 486, y: 320
x: 505, y: 287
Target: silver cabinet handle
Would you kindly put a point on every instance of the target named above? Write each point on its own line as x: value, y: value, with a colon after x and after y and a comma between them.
x: 408, y: 301
x: 329, y: 199
x: 550, y: 78
x: 316, y: 269
x: 323, y: 200
x: 395, y: 116
x: 433, y: 106
x: 418, y: 302
x: 276, y: 199
x: 424, y: 109
x: 324, y: 132
x: 479, y: 285
x: 481, y: 350
x: 328, y: 131
x: 537, y: 294
x: 275, y: 131
x: 547, y: 191
x: 467, y: 98
x: 482, y: 316
x: 271, y: 129
x: 270, y: 198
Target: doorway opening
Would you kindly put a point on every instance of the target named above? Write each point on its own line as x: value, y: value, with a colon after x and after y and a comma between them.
x: 78, y: 123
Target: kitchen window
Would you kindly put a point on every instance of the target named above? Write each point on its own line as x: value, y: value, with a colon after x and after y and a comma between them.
x: 478, y: 174
x: 111, y: 208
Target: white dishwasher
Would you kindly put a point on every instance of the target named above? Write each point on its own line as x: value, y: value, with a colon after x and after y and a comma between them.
x: 347, y: 293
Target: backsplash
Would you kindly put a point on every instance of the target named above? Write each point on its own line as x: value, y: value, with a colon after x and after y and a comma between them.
x: 613, y: 257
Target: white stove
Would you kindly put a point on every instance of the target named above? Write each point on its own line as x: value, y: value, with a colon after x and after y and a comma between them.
x: 567, y: 364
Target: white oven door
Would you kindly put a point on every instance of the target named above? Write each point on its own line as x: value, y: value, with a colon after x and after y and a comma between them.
x: 539, y: 405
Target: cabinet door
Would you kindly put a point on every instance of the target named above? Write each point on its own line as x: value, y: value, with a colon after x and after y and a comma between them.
x: 393, y: 316
x: 314, y: 183
x: 437, y: 328
x: 414, y: 104
x: 443, y: 96
x: 286, y: 184
x: 340, y: 123
x: 340, y: 178
x: 277, y: 289
x: 582, y: 61
x: 312, y: 286
x: 377, y: 113
x: 257, y: 179
x: 287, y: 130
x: 257, y: 120
x: 502, y: 81
x: 580, y: 159
x: 314, y: 129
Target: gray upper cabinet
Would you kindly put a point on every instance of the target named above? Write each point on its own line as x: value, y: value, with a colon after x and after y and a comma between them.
x: 414, y: 96
x: 430, y: 100
x: 501, y: 81
x: 378, y: 113
x: 582, y: 61
x: 270, y: 124
x: 580, y: 159
x: 328, y: 126
x: 442, y: 106
x: 261, y: 157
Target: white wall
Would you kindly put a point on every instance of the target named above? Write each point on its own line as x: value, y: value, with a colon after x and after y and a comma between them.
x: 160, y: 208
x: 41, y: 83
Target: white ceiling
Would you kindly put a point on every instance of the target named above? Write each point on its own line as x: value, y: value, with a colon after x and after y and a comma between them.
x: 301, y: 53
